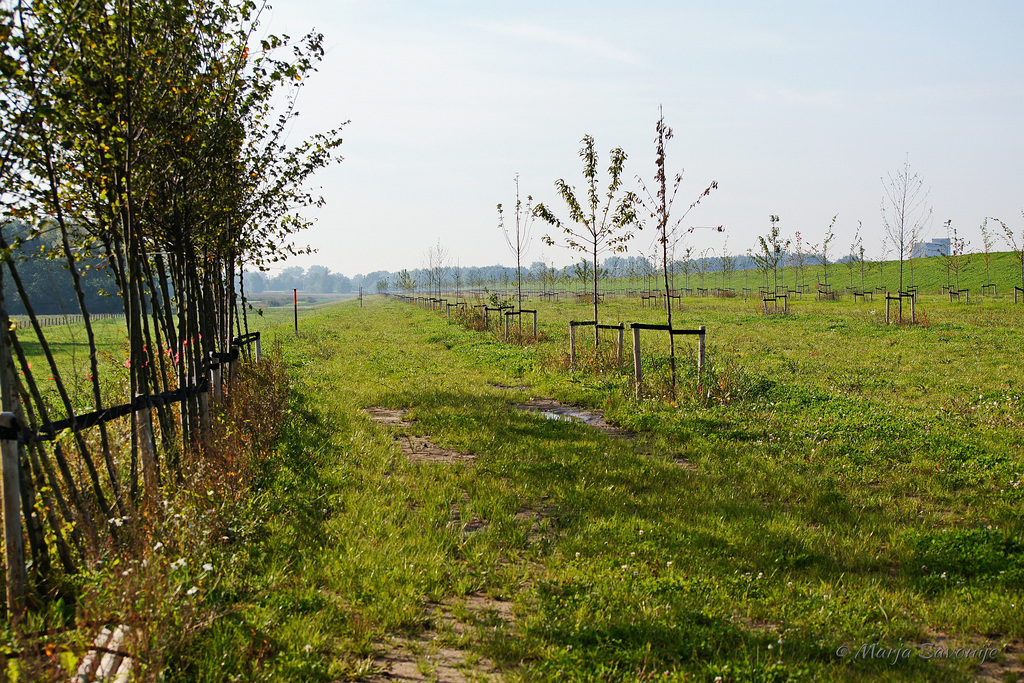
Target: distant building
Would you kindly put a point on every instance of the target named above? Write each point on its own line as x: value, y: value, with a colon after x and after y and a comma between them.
x: 939, y: 246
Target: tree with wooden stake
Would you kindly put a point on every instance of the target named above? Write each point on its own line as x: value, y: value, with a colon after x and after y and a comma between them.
x: 822, y: 254
x: 905, y: 214
x: 957, y: 259
x: 659, y: 207
x: 988, y: 241
x: 799, y: 258
x: 599, y: 225
x: 519, y: 241
x: 727, y: 264
x: 856, y: 256
x: 1018, y: 250
x: 773, y: 249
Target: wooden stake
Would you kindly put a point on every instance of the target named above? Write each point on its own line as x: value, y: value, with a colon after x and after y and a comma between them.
x: 700, y: 348
x: 144, y: 424
x: 637, y: 369
x: 572, y: 346
x: 14, y: 543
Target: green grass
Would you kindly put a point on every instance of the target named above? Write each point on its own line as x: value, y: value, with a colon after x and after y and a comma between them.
x: 855, y: 484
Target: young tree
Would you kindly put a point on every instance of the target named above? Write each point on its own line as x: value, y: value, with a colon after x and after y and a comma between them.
x: 773, y: 249
x: 822, y: 254
x: 856, y: 256
x: 883, y: 253
x: 1018, y: 248
x: 405, y: 282
x: 437, y: 268
x: 957, y: 259
x: 727, y: 263
x: 659, y: 207
x: 988, y: 240
x: 905, y: 214
x: 457, y: 277
x: 519, y: 241
x: 703, y: 265
x: 686, y: 265
x: 598, y: 225
x: 799, y: 259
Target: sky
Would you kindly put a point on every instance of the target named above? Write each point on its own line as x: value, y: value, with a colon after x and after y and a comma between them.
x: 797, y: 109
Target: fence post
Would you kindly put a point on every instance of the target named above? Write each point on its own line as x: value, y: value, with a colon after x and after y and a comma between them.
x: 572, y: 346
x: 235, y: 350
x: 535, y: 324
x: 913, y: 301
x: 144, y: 424
x: 886, y: 308
x: 295, y: 306
x: 637, y: 371
x: 259, y: 349
x: 204, y: 411
x: 14, y: 543
x: 622, y: 332
x: 215, y: 377
x: 700, y: 348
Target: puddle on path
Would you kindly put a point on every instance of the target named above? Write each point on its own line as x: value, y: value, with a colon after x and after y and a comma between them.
x: 553, y: 410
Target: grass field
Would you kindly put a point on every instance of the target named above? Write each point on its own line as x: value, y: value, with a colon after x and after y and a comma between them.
x: 834, y: 500
x: 832, y: 483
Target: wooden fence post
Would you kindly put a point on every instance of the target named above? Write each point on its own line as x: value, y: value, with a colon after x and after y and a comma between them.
x: 204, y: 411
x: 144, y: 425
x: 700, y: 348
x: 887, y: 308
x: 14, y: 543
x: 259, y: 349
x: 913, y: 314
x: 295, y: 307
x: 233, y: 363
x: 637, y: 369
x: 215, y: 377
x: 572, y: 346
x: 622, y: 332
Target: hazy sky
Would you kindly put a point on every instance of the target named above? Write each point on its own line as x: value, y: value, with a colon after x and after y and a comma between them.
x: 796, y: 108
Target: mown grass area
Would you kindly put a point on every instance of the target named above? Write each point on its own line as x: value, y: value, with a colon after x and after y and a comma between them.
x: 854, y: 484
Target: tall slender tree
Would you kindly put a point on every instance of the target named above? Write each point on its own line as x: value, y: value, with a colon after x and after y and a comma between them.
x: 600, y: 224
x: 518, y: 240
x: 905, y: 214
x: 658, y: 207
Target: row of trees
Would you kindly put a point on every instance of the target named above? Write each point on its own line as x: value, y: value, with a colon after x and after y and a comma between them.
x: 143, y: 146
